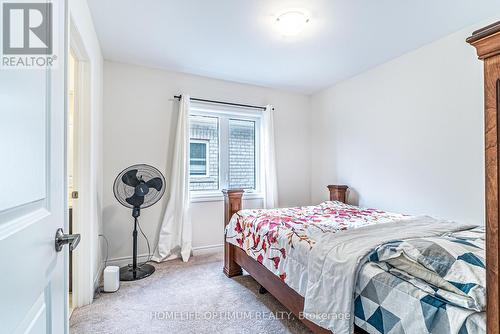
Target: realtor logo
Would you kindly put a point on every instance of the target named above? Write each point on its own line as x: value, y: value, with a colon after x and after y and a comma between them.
x: 30, y: 34
x: 27, y: 28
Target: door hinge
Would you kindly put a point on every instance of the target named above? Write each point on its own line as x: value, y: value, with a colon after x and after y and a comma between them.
x: 74, y: 194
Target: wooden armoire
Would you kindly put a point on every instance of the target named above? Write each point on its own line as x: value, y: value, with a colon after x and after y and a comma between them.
x: 487, y: 43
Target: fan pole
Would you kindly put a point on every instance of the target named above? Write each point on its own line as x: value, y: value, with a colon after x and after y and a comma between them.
x: 132, y: 273
x: 134, y: 255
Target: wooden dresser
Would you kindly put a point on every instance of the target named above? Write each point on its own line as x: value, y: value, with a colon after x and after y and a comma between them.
x: 487, y: 43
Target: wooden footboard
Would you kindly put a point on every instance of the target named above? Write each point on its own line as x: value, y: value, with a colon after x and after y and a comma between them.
x: 232, y: 204
x: 235, y: 259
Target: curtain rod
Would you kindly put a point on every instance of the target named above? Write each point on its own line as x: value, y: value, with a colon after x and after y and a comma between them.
x: 224, y: 103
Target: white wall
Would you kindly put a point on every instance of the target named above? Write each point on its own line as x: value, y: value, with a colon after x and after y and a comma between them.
x: 407, y: 136
x: 138, y: 103
x: 82, y: 21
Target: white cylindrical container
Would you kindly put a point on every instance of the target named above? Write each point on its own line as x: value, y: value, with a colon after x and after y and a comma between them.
x: 111, y: 278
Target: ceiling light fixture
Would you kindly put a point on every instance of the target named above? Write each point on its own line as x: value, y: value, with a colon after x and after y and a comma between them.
x: 292, y: 22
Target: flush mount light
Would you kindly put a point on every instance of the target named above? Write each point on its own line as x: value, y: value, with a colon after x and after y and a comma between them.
x: 292, y: 22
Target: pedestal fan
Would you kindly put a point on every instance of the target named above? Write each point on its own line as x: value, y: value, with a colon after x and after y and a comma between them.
x: 138, y: 187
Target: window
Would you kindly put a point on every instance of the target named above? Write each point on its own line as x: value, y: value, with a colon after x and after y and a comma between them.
x: 241, y: 154
x: 204, y: 153
x: 224, y: 149
x: 198, y: 158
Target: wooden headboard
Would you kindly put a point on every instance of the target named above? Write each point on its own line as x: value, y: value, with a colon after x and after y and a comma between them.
x: 233, y: 198
x: 338, y: 192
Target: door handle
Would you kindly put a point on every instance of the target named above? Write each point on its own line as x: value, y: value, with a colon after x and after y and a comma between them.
x: 62, y: 239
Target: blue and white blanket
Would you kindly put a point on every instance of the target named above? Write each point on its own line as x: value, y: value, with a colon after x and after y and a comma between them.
x: 336, y: 260
x: 425, y: 285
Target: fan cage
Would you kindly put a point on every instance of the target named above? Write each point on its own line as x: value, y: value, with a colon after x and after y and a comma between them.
x: 123, y: 191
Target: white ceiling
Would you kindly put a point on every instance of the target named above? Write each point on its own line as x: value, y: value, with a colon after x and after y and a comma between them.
x: 236, y: 39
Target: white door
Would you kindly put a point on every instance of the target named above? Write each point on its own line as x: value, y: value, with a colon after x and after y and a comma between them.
x: 33, y: 276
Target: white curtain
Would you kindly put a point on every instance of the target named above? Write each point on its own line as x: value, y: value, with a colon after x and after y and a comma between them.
x: 175, y: 236
x: 269, y: 159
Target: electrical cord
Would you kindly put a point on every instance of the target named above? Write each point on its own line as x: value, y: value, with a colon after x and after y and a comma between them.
x: 150, y: 255
x: 107, y: 249
x: 100, y: 287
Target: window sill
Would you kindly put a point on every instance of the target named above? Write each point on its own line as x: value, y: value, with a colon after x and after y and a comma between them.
x: 218, y: 197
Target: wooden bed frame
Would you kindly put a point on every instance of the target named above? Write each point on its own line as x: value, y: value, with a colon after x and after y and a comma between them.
x: 235, y: 259
x: 487, y: 43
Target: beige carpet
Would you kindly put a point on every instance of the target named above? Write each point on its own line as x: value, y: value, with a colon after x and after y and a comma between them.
x: 206, y: 301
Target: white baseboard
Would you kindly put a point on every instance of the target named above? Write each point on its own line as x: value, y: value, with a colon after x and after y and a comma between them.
x: 124, y: 260
x: 206, y: 249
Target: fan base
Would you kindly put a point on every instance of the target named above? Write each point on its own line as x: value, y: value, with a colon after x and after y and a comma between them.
x: 128, y: 274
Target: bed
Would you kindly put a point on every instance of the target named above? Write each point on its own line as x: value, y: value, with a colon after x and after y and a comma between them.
x: 275, y: 246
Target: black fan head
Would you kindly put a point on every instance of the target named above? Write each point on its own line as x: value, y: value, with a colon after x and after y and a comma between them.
x: 139, y: 186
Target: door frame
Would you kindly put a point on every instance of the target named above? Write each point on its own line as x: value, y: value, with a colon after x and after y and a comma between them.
x: 83, y: 282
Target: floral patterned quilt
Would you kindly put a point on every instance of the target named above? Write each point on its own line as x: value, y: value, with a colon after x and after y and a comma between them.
x: 281, y: 239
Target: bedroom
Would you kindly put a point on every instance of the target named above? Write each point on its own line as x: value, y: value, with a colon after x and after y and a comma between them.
x: 281, y: 99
